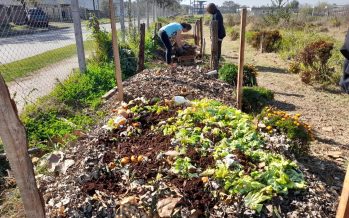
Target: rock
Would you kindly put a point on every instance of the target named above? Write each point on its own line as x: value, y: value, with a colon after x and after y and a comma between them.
x: 52, y: 161
x: 171, y: 153
x: 65, y: 165
x: 179, y: 100
x: 35, y: 160
x: 327, y: 129
x: 65, y: 201
x: 335, y: 154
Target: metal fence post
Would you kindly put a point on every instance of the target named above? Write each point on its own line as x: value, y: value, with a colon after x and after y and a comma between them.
x: 78, y: 35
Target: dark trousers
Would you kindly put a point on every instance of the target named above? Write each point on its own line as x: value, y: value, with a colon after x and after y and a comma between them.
x: 166, y: 41
x: 219, y: 49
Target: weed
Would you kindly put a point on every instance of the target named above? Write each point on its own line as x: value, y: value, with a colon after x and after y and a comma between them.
x: 229, y: 72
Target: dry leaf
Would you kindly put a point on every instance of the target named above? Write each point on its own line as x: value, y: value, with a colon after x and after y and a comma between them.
x: 166, y: 206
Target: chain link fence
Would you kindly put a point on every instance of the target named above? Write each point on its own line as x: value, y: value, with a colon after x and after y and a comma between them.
x: 37, y: 41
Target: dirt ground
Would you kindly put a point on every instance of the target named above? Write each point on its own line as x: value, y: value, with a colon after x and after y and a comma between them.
x: 324, y: 108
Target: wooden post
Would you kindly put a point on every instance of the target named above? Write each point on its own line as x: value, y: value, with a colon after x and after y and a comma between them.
x: 241, y: 58
x: 214, y: 45
x: 116, y: 52
x: 343, y: 207
x: 201, y: 37
x: 141, y: 48
x: 13, y: 135
x: 197, y: 24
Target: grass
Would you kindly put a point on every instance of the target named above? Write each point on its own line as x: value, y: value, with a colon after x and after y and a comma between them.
x: 11, y: 204
x: 24, y: 67
x: 71, y: 106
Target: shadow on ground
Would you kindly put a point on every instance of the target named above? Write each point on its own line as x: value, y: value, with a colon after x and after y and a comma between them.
x: 271, y: 69
x: 283, y: 105
x: 325, y: 170
x: 289, y: 94
x: 331, y: 142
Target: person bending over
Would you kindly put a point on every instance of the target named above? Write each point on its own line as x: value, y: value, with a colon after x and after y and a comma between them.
x: 217, y: 16
x: 170, y: 31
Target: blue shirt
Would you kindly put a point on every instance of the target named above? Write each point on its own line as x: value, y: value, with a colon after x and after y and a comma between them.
x: 172, y: 28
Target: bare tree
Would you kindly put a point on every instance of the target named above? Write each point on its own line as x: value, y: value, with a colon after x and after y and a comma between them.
x: 279, y: 3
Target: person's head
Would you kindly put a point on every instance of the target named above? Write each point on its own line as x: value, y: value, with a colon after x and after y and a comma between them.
x: 211, y: 8
x: 186, y: 27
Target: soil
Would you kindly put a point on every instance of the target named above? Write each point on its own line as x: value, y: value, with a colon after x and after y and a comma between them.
x: 92, y: 189
x: 323, y: 107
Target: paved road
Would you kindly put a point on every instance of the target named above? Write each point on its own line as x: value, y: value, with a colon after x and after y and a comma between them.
x: 19, y: 47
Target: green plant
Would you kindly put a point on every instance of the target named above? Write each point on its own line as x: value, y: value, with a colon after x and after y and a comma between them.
x: 54, y: 118
x: 229, y: 72
x: 255, y: 98
x: 183, y: 167
x: 228, y: 135
x: 104, y: 50
x: 269, y: 40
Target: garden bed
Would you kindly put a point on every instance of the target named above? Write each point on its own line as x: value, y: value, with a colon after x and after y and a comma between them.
x: 157, y: 158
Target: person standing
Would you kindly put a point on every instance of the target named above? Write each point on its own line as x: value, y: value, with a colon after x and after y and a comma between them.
x: 217, y: 16
x: 173, y: 30
x: 344, y: 83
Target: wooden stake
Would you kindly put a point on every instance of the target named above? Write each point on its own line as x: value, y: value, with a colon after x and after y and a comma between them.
x: 201, y: 37
x: 141, y: 48
x: 116, y: 52
x: 13, y: 135
x: 343, y: 207
x: 214, y: 45
x: 241, y: 58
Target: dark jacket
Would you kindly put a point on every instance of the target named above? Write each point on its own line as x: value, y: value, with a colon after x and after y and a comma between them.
x: 345, y: 48
x: 218, y: 17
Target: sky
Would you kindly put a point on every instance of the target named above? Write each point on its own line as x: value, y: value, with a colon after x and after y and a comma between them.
x: 266, y: 2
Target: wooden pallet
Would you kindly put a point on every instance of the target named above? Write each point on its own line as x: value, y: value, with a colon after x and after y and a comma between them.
x: 186, y: 60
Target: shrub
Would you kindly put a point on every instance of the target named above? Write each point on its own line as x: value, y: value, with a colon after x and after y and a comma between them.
x: 314, y: 59
x: 294, y: 68
x: 104, y: 50
x: 276, y: 122
x: 231, y: 20
x: 269, y: 40
x: 335, y: 22
x: 233, y: 34
x: 255, y: 98
x: 229, y: 72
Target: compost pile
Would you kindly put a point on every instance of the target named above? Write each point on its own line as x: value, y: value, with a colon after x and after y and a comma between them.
x: 163, y: 155
x: 191, y: 82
